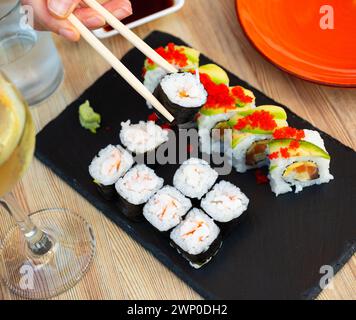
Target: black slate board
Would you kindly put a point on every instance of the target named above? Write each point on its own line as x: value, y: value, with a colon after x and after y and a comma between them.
x: 276, y: 251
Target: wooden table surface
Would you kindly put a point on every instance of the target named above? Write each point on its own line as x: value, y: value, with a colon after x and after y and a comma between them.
x: 122, y: 268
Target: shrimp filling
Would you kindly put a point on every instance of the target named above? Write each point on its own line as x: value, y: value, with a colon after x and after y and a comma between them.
x: 112, y: 164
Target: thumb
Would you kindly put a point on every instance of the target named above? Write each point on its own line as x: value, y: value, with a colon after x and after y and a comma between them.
x: 62, y: 8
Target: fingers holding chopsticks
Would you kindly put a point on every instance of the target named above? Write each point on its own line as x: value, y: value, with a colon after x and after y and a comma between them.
x: 51, y: 15
x: 91, y: 19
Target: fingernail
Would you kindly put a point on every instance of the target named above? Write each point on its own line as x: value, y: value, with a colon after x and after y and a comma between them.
x: 123, y: 12
x: 69, y: 34
x: 95, y: 22
x: 61, y: 8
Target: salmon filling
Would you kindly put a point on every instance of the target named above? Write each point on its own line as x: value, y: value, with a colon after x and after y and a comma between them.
x: 256, y: 153
x: 302, y: 171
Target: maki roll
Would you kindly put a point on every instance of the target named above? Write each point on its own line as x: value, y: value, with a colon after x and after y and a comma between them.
x: 297, y: 162
x: 166, y: 208
x: 194, y: 178
x: 223, y: 103
x: 197, y: 238
x: 135, y: 188
x: 142, y: 137
x: 107, y: 167
x: 182, y: 94
x: 182, y: 57
x: 225, y: 202
x: 251, y: 132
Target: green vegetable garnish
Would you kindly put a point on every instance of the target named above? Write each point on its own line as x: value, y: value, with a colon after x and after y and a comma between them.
x: 88, y: 118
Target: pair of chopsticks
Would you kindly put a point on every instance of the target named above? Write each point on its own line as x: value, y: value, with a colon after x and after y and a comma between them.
x: 115, y: 62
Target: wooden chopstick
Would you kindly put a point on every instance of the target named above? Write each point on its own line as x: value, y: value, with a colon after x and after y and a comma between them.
x: 130, y: 36
x: 119, y: 67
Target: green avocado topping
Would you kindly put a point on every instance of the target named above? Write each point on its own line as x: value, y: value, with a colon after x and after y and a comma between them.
x: 192, y: 54
x: 306, y: 149
x: 88, y: 118
x: 216, y: 73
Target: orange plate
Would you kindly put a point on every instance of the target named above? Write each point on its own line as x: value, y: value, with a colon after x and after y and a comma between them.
x: 292, y: 35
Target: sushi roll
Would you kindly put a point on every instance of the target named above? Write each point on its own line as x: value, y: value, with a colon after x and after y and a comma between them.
x: 142, y: 137
x: 197, y: 238
x: 222, y: 104
x: 225, y: 202
x: 194, y: 178
x: 182, y: 94
x: 298, y: 162
x: 107, y: 167
x: 182, y: 57
x: 252, y: 130
x: 166, y: 208
x: 135, y: 189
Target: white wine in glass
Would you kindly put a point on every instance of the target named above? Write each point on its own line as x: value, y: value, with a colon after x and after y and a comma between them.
x: 49, y: 251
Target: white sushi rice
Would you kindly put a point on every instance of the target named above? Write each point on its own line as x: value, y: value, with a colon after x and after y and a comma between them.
x: 110, y: 164
x: 194, y: 178
x: 225, y: 202
x: 207, y: 122
x: 142, y: 137
x: 184, y: 89
x: 280, y: 185
x: 166, y: 208
x: 314, y: 137
x: 196, y: 233
x: 239, y: 152
x: 153, y: 78
x: 139, y: 184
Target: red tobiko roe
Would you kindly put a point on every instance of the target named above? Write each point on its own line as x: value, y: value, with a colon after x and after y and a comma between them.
x: 239, y: 93
x: 273, y: 155
x: 294, y: 145
x: 218, y: 94
x: 284, y: 153
x: 166, y: 126
x: 259, y: 119
x: 289, y: 133
x: 261, y: 178
x: 153, y: 117
x: 172, y: 55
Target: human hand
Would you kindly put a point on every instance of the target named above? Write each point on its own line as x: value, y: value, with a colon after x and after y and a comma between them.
x: 51, y: 15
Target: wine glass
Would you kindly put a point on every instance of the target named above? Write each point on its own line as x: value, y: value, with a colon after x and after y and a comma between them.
x: 48, y: 251
x: 28, y: 57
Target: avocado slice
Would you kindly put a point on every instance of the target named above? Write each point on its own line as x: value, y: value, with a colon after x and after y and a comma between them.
x: 192, y: 54
x: 278, y: 113
x: 222, y: 126
x: 217, y: 74
x: 238, y: 137
x: 280, y: 124
x: 248, y: 93
x: 208, y: 111
x: 306, y: 149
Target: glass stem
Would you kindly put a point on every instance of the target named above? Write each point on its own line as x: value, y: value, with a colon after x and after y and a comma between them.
x: 38, y: 241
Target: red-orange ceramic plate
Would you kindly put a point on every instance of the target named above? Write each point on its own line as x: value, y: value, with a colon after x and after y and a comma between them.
x: 312, y: 39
